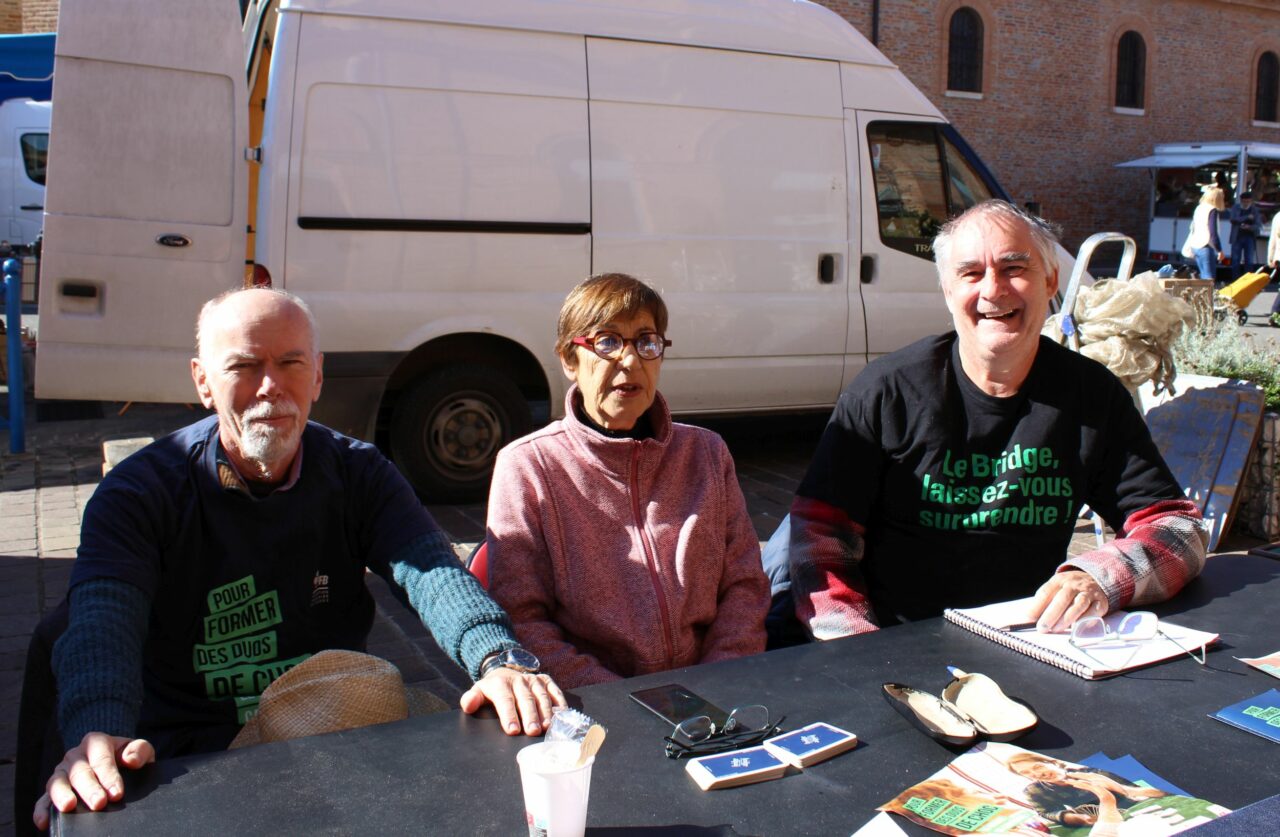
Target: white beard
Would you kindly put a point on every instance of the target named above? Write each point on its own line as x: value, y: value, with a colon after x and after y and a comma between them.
x: 263, y: 444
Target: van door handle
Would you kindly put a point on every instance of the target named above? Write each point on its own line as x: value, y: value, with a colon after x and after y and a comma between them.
x: 79, y: 290
x: 826, y: 268
x: 867, y: 269
x: 31, y: 207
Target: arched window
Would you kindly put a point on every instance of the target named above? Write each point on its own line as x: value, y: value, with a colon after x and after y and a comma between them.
x: 1131, y: 71
x: 964, y: 51
x: 1264, y: 104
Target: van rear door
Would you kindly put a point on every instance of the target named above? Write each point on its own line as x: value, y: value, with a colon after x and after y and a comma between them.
x: 145, y: 205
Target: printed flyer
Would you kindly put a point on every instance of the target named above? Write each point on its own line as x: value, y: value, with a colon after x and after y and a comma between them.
x: 1003, y: 789
x: 1270, y: 663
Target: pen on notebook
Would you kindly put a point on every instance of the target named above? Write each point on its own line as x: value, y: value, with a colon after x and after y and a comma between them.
x: 1019, y: 626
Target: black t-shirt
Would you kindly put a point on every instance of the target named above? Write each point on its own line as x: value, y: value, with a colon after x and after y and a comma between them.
x: 968, y: 498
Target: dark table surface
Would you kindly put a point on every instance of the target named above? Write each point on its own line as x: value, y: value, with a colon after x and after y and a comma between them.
x: 453, y: 774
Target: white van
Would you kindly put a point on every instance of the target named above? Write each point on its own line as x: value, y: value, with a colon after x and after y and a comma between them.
x: 433, y: 176
x: 24, y: 141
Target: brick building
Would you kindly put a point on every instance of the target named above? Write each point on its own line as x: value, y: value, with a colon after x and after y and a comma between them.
x: 27, y: 16
x: 1044, y: 113
x: 1037, y: 90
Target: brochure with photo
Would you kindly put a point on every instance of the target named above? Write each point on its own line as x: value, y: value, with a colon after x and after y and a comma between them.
x: 1133, y: 770
x: 1002, y: 789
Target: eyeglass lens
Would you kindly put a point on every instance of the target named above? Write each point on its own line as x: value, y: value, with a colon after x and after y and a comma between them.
x: 1140, y: 625
x: 692, y: 730
x: 648, y: 345
x: 1091, y: 629
x: 747, y: 719
x: 751, y: 718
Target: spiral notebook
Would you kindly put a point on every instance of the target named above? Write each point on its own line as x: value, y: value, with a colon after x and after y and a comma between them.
x: 1092, y: 663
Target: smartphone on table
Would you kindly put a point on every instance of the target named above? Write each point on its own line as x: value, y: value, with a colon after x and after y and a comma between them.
x: 675, y: 703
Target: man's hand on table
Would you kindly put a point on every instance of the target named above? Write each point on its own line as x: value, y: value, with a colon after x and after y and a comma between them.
x: 1065, y: 599
x: 91, y: 772
x: 522, y: 700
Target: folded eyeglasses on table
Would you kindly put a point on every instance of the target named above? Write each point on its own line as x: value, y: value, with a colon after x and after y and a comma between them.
x: 1134, y: 629
x: 746, y: 726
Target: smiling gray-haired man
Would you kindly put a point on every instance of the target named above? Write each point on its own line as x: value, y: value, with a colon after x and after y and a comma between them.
x: 952, y: 472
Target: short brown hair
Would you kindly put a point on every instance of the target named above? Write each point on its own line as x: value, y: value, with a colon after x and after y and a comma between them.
x: 604, y: 298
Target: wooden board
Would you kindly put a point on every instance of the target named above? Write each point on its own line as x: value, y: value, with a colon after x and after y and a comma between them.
x: 1206, y: 433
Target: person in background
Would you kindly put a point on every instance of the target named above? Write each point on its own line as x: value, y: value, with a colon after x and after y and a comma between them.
x: 618, y: 540
x: 1202, y: 242
x: 1245, y: 220
x: 1273, y: 260
x: 952, y: 471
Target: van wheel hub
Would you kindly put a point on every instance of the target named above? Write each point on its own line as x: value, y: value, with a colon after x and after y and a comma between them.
x: 464, y: 433
x: 448, y: 426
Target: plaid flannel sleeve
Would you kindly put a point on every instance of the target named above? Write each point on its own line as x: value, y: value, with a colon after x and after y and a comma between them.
x: 1161, y: 547
x: 827, y: 585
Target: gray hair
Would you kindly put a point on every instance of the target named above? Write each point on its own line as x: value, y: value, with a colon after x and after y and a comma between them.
x: 1044, y: 234
x: 212, y: 305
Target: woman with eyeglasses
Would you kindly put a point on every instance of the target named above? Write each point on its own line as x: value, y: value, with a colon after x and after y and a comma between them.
x: 619, y: 540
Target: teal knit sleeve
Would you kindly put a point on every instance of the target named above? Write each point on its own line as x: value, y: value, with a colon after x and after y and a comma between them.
x: 466, y: 623
x: 97, y: 662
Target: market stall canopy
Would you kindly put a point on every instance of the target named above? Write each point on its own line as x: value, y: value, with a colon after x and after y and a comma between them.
x: 1178, y: 159
x: 26, y: 66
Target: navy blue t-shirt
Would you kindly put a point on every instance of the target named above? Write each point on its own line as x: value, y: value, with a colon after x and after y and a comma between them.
x: 244, y: 588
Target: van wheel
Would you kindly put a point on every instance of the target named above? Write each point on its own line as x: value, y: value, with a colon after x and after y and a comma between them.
x: 449, y: 426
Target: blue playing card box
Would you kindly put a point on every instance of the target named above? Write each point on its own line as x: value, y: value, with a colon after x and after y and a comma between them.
x: 737, y: 767
x: 811, y: 744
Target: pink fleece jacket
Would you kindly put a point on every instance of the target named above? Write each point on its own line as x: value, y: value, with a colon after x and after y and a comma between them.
x: 619, y: 557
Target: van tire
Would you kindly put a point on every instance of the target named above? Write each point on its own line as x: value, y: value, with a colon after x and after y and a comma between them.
x: 448, y: 427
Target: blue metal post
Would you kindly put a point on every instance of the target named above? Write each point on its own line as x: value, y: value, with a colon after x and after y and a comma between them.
x: 13, y: 323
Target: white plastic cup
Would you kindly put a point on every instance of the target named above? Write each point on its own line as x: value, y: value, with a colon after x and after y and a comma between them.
x: 555, y: 790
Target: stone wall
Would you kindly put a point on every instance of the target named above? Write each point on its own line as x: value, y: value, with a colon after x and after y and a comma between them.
x: 1259, y: 511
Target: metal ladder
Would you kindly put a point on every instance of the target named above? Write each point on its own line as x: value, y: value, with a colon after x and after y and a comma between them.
x: 1127, y: 261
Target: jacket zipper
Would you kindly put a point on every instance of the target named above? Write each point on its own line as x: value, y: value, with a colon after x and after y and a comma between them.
x: 651, y: 560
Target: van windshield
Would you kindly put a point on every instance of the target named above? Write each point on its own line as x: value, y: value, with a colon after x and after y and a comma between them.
x: 35, y: 151
x: 921, y: 179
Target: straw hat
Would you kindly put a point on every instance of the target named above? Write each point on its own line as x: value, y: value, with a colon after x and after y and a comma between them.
x: 333, y: 690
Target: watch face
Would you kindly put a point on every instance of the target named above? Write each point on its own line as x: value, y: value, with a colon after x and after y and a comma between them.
x: 519, y: 658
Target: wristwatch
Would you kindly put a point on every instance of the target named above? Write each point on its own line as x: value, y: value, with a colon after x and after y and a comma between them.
x: 515, y: 658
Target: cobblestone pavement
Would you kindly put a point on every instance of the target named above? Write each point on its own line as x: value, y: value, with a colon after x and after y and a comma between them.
x: 43, y: 493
